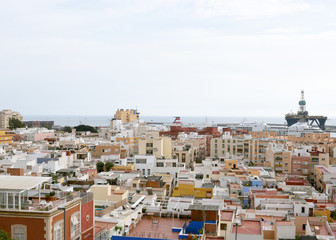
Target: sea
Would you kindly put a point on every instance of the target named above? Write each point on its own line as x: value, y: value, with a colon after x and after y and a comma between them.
x: 101, y: 121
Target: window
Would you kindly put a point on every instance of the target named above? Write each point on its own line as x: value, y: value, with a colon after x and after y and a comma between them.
x: 303, y: 226
x: 75, y: 224
x: 140, y: 161
x: 143, y: 172
x: 199, y: 176
x: 302, y: 209
x: 58, y: 230
x: 159, y: 164
x: 223, y: 226
x: 148, y: 171
x: 134, y: 185
x: 3, y: 200
x: 184, y: 157
x: 19, y: 232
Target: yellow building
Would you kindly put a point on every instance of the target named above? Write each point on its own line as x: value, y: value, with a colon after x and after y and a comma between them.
x: 128, y: 115
x: 230, y: 164
x: 158, y: 147
x: 123, y: 168
x: 319, y: 212
x: 186, y: 188
x: 6, y: 137
x: 5, y: 115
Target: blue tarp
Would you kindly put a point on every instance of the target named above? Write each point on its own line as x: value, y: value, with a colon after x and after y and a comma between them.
x: 194, y: 227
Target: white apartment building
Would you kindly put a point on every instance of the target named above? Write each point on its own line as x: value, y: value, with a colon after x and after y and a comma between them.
x: 144, y: 164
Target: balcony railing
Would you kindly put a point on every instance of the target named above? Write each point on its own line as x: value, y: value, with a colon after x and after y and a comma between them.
x: 38, y: 203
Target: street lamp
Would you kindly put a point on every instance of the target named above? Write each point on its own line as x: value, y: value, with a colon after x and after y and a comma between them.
x: 236, y: 222
x: 64, y: 210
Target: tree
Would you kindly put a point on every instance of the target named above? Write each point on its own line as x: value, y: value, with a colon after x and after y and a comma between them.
x: 108, y: 166
x: 15, y: 123
x: 86, y: 128
x: 100, y: 166
x: 67, y: 129
x: 4, y: 235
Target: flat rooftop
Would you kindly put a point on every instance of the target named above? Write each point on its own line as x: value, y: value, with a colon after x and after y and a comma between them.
x: 285, y: 223
x: 200, y: 207
x: 321, y: 226
x: 157, y: 228
x: 248, y: 227
x: 21, y: 182
x: 226, y: 215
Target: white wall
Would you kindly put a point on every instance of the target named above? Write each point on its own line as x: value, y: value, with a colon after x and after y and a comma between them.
x: 145, y: 167
x: 286, y: 232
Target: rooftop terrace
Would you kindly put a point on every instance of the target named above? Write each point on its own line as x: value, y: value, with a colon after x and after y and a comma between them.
x: 157, y: 228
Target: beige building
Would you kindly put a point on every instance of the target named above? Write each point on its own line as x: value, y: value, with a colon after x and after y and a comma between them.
x: 185, y: 153
x: 226, y: 146
x: 279, y: 158
x: 109, y: 193
x: 128, y: 115
x: 5, y: 115
x: 226, y: 218
x: 159, y: 147
x: 106, y: 149
x: 255, y: 151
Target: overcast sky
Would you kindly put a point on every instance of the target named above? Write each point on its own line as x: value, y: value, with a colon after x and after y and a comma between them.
x: 167, y: 57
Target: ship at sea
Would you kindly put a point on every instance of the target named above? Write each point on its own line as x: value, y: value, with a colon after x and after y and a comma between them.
x: 303, y: 116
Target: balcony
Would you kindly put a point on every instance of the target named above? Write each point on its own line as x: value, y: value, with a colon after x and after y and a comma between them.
x: 24, y: 193
x: 34, y: 202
